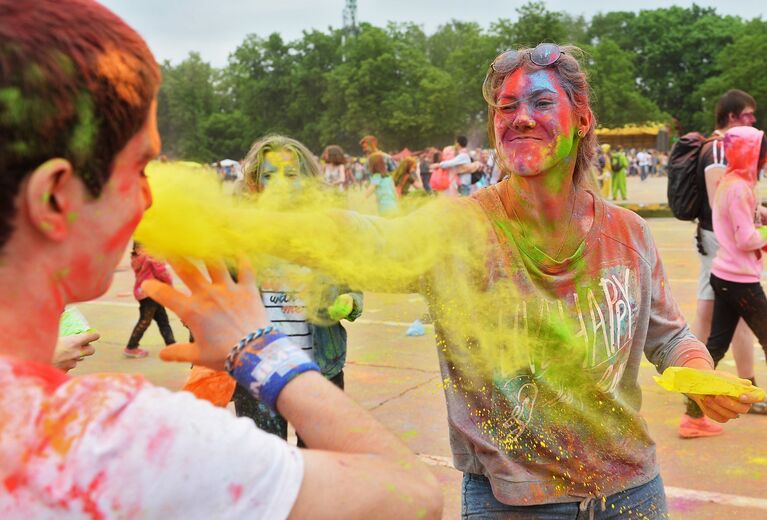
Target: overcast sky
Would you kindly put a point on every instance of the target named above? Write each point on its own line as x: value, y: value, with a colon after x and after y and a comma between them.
x: 215, y: 27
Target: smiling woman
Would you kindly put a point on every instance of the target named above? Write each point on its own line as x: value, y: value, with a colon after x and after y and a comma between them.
x: 565, y: 245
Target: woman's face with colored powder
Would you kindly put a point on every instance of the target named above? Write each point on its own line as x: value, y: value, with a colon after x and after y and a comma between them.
x: 535, y: 125
x: 279, y: 165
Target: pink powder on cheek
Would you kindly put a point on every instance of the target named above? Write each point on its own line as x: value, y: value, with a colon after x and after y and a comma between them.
x: 121, y: 238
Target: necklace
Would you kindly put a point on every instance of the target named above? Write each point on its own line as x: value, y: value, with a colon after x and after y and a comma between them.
x: 522, y: 227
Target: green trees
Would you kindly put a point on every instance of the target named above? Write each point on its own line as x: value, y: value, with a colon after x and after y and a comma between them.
x: 415, y: 89
x: 740, y: 64
x: 616, y: 98
x: 186, y: 98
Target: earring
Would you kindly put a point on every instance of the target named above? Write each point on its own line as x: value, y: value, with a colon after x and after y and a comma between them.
x: 581, y: 133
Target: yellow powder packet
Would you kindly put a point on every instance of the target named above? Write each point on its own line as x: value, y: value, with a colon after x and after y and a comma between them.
x: 703, y: 382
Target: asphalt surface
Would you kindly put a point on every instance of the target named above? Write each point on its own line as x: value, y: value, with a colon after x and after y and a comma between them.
x: 397, y: 378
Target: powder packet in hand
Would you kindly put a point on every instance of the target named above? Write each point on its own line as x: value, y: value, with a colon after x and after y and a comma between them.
x: 73, y: 322
x: 704, y: 382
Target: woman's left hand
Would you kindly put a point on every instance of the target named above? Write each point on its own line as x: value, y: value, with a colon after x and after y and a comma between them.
x: 722, y: 408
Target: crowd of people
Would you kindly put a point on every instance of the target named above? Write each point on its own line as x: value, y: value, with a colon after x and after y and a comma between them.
x: 543, y: 406
x: 461, y: 170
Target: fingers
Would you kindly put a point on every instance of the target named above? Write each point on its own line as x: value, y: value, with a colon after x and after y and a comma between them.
x: 181, y: 352
x: 167, y: 296
x: 722, y: 408
x: 219, y: 274
x: 87, y: 337
x: 189, y: 274
x: 245, y: 274
x: 750, y: 398
x: 66, y: 366
x: 732, y: 404
x: 87, y: 350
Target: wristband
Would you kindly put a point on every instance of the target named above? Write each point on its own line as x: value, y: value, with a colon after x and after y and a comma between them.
x: 265, y: 361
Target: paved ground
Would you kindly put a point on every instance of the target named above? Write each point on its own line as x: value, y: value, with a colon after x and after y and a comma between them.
x: 396, y: 377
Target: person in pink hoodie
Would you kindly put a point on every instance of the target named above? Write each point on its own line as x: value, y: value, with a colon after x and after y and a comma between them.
x: 737, y: 268
x: 147, y: 268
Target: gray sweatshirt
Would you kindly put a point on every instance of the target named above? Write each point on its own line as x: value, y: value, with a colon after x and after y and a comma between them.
x: 565, y: 425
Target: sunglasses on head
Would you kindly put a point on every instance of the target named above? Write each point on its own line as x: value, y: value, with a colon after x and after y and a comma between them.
x: 544, y: 55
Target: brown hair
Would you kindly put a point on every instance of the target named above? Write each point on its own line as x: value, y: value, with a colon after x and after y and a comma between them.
x: 733, y: 101
x: 377, y: 164
x: 334, y: 154
x: 75, y: 82
x: 575, y: 85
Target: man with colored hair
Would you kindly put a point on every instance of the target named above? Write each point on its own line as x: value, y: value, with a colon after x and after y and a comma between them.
x: 369, y: 145
x: 78, y: 102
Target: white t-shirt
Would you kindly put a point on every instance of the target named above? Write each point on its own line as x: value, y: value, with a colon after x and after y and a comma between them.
x: 114, y: 446
x: 287, y: 311
x: 644, y: 158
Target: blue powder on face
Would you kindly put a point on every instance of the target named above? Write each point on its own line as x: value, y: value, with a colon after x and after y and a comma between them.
x: 541, y: 80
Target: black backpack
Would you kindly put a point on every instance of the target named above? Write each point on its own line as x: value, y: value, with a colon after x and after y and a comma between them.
x: 684, y: 186
x: 615, y: 163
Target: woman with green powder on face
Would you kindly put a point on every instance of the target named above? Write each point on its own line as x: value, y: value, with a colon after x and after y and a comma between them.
x: 283, y: 162
x: 545, y: 298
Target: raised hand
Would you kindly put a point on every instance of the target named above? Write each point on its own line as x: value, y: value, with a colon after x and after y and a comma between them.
x: 219, y: 311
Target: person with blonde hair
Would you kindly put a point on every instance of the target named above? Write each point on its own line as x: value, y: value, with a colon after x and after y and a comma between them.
x: 270, y: 158
x: 277, y: 155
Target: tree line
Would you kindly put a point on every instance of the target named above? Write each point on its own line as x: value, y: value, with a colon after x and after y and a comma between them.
x: 415, y: 89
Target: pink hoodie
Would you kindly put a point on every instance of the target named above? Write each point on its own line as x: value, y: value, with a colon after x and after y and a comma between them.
x: 739, y: 258
x: 147, y: 268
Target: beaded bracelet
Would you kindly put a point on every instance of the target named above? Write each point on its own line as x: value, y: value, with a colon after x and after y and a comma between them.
x: 265, y: 361
x: 247, y: 340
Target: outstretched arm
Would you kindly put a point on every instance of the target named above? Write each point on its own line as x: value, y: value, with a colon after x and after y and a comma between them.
x: 372, y: 253
x: 354, y: 468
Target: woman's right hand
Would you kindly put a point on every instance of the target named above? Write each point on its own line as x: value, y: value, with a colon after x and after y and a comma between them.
x: 219, y: 311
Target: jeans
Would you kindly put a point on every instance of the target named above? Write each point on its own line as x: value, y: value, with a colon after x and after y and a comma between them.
x: 151, y: 310
x: 647, y: 501
x: 245, y: 405
x: 644, y: 171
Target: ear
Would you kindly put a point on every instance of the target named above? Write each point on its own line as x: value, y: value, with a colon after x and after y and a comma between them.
x: 585, y: 120
x: 53, y: 195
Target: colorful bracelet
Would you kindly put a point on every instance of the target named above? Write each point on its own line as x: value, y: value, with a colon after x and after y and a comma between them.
x: 265, y: 361
x: 250, y: 338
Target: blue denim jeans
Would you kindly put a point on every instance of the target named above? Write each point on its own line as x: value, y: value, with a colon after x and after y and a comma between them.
x: 647, y: 501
